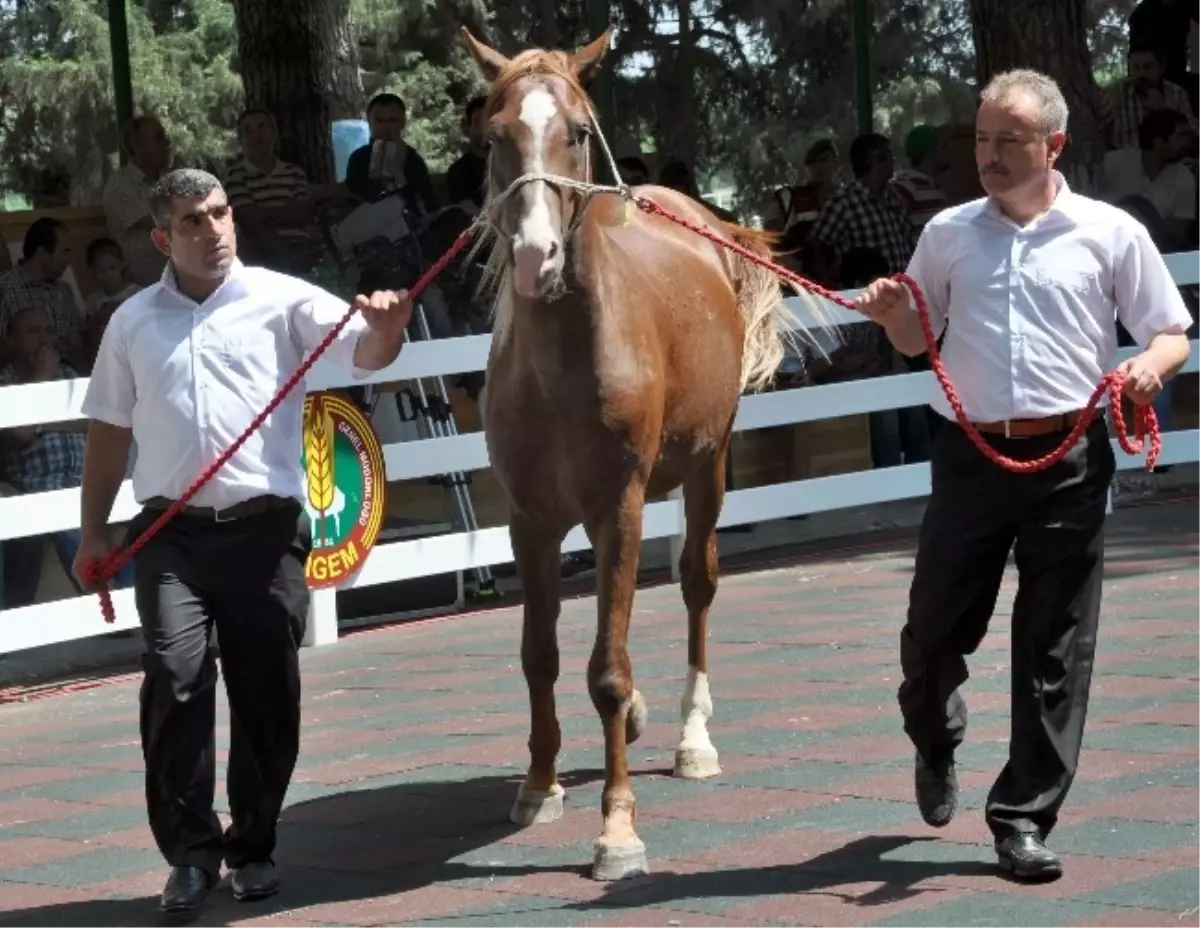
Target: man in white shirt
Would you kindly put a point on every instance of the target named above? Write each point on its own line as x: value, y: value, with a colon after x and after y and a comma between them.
x: 183, y: 368
x: 1155, y: 170
x: 1027, y: 285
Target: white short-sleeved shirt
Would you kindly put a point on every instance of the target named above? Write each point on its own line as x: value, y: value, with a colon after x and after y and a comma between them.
x: 189, y: 378
x: 1030, y: 312
x: 1172, y: 191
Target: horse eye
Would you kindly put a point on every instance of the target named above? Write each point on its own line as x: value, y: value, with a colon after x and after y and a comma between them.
x: 579, y: 134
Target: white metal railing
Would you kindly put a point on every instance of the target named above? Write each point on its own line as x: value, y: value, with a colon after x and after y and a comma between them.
x: 71, y: 619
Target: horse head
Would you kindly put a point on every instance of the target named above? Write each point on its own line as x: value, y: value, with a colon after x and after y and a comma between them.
x: 540, y: 123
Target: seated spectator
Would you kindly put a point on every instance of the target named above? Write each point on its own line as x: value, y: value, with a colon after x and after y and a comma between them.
x: 467, y: 178
x: 273, y: 206
x: 801, y: 204
x: 676, y: 175
x: 127, y: 197
x: 1155, y: 170
x: 387, y: 164
x: 39, y: 458
x: 1126, y: 103
x: 107, y: 264
x: 36, y: 283
x: 1170, y: 26
x: 867, y: 212
x: 916, y: 185
x: 633, y: 170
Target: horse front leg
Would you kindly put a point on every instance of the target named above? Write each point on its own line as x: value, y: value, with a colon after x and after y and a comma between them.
x: 617, y: 538
x: 540, y: 797
x: 703, y: 492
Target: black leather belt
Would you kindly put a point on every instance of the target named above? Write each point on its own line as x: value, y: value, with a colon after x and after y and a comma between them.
x: 252, y: 507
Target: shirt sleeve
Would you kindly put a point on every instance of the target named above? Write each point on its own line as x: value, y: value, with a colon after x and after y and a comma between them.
x: 1148, y: 301
x: 827, y: 229
x: 926, y: 268
x: 314, y: 314
x: 237, y: 190
x: 111, y: 392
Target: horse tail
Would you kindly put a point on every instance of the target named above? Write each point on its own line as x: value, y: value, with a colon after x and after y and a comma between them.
x: 770, y: 324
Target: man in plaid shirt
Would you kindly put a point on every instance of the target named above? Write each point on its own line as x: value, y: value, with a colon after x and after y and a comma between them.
x: 36, y: 283
x: 1126, y: 103
x: 38, y: 458
x: 866, y: 212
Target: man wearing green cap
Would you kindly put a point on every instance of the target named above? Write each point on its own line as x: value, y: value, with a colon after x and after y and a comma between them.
x: 915, y: 185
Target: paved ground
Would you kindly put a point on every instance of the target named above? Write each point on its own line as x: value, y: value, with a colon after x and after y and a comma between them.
x: 414, y: 744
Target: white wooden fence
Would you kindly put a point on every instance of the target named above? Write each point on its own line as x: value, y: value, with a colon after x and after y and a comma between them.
x: 67, y: 620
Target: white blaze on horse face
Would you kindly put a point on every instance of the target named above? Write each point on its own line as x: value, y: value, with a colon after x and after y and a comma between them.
x: 537, y: 249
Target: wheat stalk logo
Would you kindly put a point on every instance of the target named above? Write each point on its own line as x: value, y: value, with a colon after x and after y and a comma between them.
x: 318, y: 455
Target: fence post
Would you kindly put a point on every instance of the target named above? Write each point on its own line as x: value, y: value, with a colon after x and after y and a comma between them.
x: 322, y: 617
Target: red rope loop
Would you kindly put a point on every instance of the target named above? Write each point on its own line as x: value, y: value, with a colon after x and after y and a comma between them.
x: 1146, y: 428
x: 99, y: 571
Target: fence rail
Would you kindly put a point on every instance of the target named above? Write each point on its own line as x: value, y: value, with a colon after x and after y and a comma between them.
x: 67, y: 620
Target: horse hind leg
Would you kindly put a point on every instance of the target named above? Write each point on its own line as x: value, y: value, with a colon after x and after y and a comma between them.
x: 619, y: 852
x: 703, y: 492
x: 540, y: 797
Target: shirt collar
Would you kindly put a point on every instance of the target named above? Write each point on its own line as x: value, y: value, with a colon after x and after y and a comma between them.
x: 231, y: 288
x: 1060, y: 209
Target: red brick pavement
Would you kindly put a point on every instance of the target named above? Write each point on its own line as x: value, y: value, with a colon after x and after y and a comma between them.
x: 414, y: 743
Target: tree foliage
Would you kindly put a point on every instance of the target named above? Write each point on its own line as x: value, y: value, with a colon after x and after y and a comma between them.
x: 740, y: 88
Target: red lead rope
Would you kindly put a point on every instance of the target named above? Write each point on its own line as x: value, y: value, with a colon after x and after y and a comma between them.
x: 99, y: 572
x: 1145, y: 423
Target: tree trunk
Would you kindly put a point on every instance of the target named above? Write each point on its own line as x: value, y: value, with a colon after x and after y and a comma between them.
x: 1051, y: 38
x: 292, y: 61
x: 677, y: 116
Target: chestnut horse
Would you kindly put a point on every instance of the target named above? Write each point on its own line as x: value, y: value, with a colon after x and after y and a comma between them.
x: 622, y: 343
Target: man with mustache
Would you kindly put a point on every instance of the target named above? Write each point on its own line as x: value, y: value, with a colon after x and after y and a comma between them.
x: 184, y: 367
x: 1026, y: 284
x: 1128, y: 102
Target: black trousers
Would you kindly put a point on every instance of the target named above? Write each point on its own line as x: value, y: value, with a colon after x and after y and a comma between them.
x: 246, y: 578
x: 977, y: 513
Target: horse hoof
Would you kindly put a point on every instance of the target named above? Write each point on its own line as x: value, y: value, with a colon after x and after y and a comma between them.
x: 538, y: 806
x: 635, y: 720
x: 619, y: 861
x: 697, y: 763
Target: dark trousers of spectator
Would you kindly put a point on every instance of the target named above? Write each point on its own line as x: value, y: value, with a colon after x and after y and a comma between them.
x: 977, y: 513
x: 245, y: 577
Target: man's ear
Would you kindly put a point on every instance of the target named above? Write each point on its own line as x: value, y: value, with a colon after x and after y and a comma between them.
x: 1057, y: 143
x: 162, y: 240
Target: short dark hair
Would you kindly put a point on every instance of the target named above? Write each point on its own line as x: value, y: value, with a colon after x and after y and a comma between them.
x: 475, y: 103
x: 863, y: 150
x: 182, y: 184
x: 1144, y: 47
x: 819, y: 149
x: 1158, y: 124
x: 386, y: 99
x: 42, y: 233
x: 24, y: 309
x: 102, y: 246
x: 254, y: 111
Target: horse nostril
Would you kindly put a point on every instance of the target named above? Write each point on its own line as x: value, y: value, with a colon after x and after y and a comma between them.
x: 553, y: 252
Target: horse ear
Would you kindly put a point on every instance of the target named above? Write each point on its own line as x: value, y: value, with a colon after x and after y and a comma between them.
x: 586, y: 61
x: 490, y: 61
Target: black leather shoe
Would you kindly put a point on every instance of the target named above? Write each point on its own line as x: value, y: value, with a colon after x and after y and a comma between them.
x: 255, y: 881
x: 937, y: 791
x: 186, y: 888
x: 1027, y: 858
